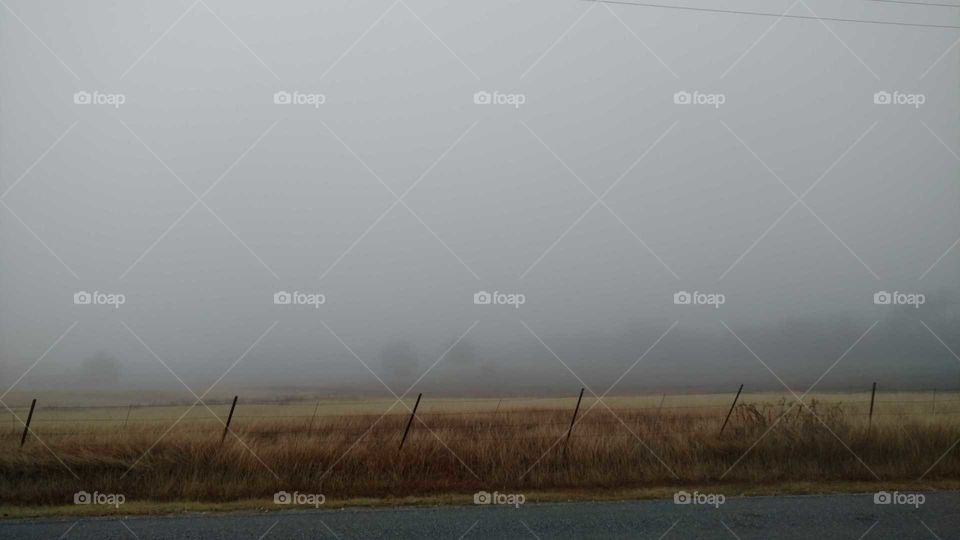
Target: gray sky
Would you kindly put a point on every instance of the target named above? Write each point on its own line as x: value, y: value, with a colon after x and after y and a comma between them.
x: 502, y: 196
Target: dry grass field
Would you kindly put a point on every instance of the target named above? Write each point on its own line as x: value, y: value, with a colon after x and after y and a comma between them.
x: 350, y: 448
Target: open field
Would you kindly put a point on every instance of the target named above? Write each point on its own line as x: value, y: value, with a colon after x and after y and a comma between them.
x: 350, y: 448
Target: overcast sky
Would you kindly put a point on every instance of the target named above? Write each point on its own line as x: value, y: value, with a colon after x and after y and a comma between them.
x: 787, y: 186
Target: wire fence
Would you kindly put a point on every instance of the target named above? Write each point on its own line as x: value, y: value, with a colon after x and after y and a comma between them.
x: 499, y: 417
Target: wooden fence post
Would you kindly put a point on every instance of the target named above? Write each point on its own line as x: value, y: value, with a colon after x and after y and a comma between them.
x: 873, y: 395
x: 573, y: 421
x: 226, y: 426
x: 130, y: 408
x: 934, y: 402
x: 656, y: 419
x: 26, y: 427
x: 315, y: 409
x: 409, y: 422
x: 732, y: 405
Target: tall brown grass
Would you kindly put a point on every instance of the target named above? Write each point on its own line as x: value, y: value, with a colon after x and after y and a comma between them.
x: 516, y: 450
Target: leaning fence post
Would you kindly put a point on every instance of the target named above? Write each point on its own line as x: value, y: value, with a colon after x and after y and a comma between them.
x: 26, y: 427
x: 732, y: 405
x: 656, y: 419
x: 226, y: 426
x: 873, y: 395
x: 409, y: 422
x: 315, y: 409
x: 573, y: 421
x: 130, y: 408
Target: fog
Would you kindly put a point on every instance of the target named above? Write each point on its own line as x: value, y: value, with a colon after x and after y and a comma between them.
x: 396, y: 197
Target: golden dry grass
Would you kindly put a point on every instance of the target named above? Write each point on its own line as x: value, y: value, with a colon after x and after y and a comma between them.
x: 350, y: 449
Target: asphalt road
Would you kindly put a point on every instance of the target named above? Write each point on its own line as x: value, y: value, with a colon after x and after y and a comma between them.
x: 819, y: 517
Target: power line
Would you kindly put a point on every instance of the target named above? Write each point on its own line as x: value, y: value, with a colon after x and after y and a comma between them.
x: 931, y: 4
x: 766, y: 14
